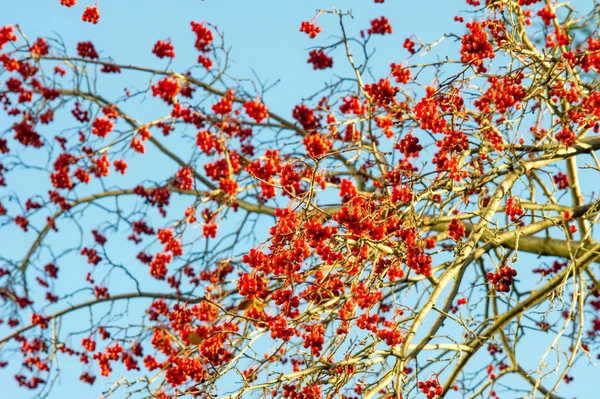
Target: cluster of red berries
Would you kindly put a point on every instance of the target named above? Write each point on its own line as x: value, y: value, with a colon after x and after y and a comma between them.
x: 528, y: 2
x: 40, y: 47
x: 68, y: 3
x: 204, y: 38
x: 351, y: 105
x: 555, y: 268
x: 561, y: 180
x: 380, y: 26
x: 102, y: 126
x: 256, y: 110
x: 91, y: 14
x: 316, y: 145
x: 87, y: 50
x: 513, y: 209
x: 225, y: 104
x: 418, y: 260
x: 314, y: 338
x: 503, y: 94
x: 475, y: 45
x: 430, y: 388
x: 184, y: 179
x: 319, y: 59
x: 427, y: 112
x: 158, y: 266
x: 92, y: 255
x: 502, y: 279
x: 382, y: 93
x: 101, y: 166
x: 401, y: 74
x: 409, y: 146
x: 164, y: 49
x: 456, y: 230
x: 566, y: 137
x: 310, y: 29
x: 228, y: 186
x: 25, y: 134
x: 306, y: 117
x: 166, y: 88
x: 547, y: 15
x: 409, y: 45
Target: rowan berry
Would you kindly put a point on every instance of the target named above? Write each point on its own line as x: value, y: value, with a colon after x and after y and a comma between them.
x: 319, y: 59
x: 310, y: 29
x: 164, y: 49
x: 91, y: 14
x: 380, y: 26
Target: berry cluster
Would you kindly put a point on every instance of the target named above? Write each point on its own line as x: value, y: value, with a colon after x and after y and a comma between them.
x: 475, y: 45
x: 316, y: 145
x: 319, y: 59
x: 87, y: 50
x: 409, y: 45
x: 502, y: 279
x: 91, y: 14
x: 184, y: 179
x: 503, y: 94
x: 224, y: 105
x: 40, y: 47
x: 566, y: 137
x: 380, y: 26
x: 381, y: 93
x: 561, y: 180
x: 431, y: 388
x: 166, y: 88
x: 456, y: 230
x: 256, y: 110
x: 513, y: 209
x: 310, y: 29
x: 164, y: 49
x: 306, y: 117
x: 401, y: 74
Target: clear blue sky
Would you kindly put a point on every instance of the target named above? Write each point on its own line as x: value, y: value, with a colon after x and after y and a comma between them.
x: 264, y: 39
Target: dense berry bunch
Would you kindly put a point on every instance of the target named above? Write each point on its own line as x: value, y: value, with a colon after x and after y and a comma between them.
x: 401, y: 74
x: 184, y: 179
x: 87, y: 50
x: 502, y: 279
x: 382, y: 93
x: 316, y: 145
x: 166, y: 88
x: 91, y: 14
x: 566, y: 136
x: 40, y: 47
x: 456, y: 230
x: 561, y: 180
x: 431, y: 388
x: 514, y: 210
x: 319, y: 59
x: 475, y: 45
x: 224, y: 106
x: 310, y: 29
x: 256, y: 110
x: 380, y: 26
x: 164, y: 49
x: 306, y: 117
